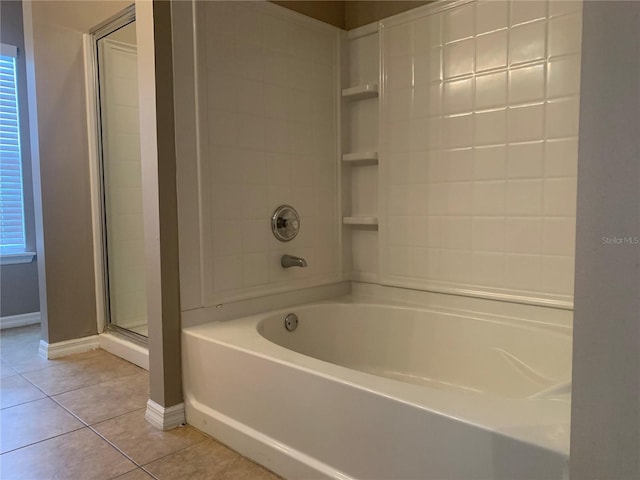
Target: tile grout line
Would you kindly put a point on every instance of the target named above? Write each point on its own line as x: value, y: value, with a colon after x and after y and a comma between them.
x: 207, y: 438
x: 23, y: 403
x: 80, y: 361
x: 43, y: 440
x: 89, y: 385
x: 139, y: 465
x: 103, y: 438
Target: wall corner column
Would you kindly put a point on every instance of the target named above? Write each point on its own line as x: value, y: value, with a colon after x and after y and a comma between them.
x: 605, y: 417
x: 157, y: 147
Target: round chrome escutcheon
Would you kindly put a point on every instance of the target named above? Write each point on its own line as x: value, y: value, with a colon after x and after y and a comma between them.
x: 285, y: 223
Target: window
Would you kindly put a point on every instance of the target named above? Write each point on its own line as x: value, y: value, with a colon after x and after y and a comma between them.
x: 12, y: 235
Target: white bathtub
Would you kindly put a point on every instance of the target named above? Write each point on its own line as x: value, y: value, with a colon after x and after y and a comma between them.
x: 380, y: 391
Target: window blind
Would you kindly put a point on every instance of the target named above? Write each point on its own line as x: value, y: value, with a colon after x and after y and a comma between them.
x: 12, y: 238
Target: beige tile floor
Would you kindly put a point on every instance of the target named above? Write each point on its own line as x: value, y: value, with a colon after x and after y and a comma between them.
x: 81, y: 417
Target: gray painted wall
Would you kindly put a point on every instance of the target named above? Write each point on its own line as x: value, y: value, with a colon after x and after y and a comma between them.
x: 605, y: 435
x: 58, y: 27
x: 19, y: 283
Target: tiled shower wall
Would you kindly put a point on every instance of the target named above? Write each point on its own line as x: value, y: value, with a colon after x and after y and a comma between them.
x: 479, y: 149
x: 123, y: 181
x: 268, y: 85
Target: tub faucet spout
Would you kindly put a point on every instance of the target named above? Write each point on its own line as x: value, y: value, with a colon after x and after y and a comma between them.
x: 288, y: 261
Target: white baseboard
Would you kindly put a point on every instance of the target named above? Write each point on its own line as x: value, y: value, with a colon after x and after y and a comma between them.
x: 125, y: 349
x: 164, y: 418
x: 22, y: 320
x: 68, y: 347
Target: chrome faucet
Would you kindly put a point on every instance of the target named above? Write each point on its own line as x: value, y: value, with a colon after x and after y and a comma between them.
x: 288, y: 261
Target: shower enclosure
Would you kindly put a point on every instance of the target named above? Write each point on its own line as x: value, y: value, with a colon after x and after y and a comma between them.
x: 120, y: 183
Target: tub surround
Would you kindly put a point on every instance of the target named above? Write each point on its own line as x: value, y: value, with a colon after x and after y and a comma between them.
x: 440, y: 188
x: 473, y: 187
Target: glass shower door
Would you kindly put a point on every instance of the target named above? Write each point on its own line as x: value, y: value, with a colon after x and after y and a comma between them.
x: 123, y: 240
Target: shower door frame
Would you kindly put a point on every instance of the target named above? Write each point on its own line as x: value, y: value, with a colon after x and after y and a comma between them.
x: 96, y: 148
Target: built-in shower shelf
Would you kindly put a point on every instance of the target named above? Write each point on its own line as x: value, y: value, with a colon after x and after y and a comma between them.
x: 360, y: 92
x: 360, y: 157
x: 364, y: 221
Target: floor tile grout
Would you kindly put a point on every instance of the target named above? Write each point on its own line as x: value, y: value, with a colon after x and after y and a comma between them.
x: 142, y: 465
x: 69, y: 411
x: 23, y: 403
x: 91, y: 385
x: 116, y: 416
x: 116, y: 449
x: 172, y: 453
x: 148, y: 472
x: 43, y: 440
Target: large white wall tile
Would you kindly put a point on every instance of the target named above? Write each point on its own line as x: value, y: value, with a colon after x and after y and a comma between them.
x: 491, y: 50
x: 524, y: 197
x: 526, y: 123
x: 427, y: 33
x: 456, y: 232
x: 459, y: 164
x: 402, y: 68
x: 526, y: 84
x: 457, y: 131
x: 460, y: 198
x: 227, y: 238
x: 458, y: 96
x: 527, y: 42
x: 491, y: 90
x: 491, y: 15
x: 565, y: 34
x: 560, y: 196
x: 427, y: 66
x: 489, y: 198
x: 563, y: 76
x: 458, y: 58
x: 562, y: 117
x: 561, y: 157
x: 488, y: 269
x: 490, y: 127
x: 561, y: 7
x: 559, y: 236
x: 455, y: 266
x: 528, y: 10
x: 525, y: 160
x: 458, y: 23
x: 523, y: 235
x: 489, y: 163
x: 558, y: 273
x: 488, y: 234
x: 524, y: 272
